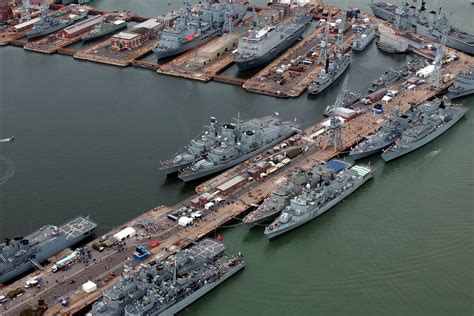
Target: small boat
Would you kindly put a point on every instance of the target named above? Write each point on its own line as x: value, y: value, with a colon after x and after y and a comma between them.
x: 7, y: 140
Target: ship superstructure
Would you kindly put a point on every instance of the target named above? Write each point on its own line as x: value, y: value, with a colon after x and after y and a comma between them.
x: 196, y: 25
x: 333, y: 186
x: 463, y: 84
x: 429, y: 24
x: 21, y: 254
x: 388, y: 133
x: 436, y: 119
x: 49, y: 23
x: 195, y: 150
x: 166, y: 287
x: 263, y: 43
x: 107, y: 26
x: 238, y: 143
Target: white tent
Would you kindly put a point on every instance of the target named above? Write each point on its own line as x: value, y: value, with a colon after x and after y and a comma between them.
x: 185, y: 221
x: 127, y: 232
x: 89, y: 287
x: 386, y: 99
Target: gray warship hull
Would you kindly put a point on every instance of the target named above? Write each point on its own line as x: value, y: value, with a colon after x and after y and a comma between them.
x: 314, y: 214
x: 229, y: 164
x: 35, y: 34
x: 52, y: 247
x: 455, y: 94
x: 330, y: 82
x: 91, y: 37
x: 177, y: 167
x: 162, y: 54
x: 198, y: 294
x: 367, y: 153
x: 391, y: 155
x: 424, y: 31
x: 262, y: 219
x: 246, y: 64
x: 200, y: 174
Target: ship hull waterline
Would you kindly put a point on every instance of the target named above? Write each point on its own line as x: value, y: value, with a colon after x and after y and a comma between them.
x: 325, y: 208
x: 197, y: 175
x: 388, y: 156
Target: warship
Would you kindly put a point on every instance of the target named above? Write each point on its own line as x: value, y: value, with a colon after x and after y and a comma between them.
x: 168, y: 286
x: 49, y: 24
x: 333, y: 186
x: 389, y: 132
x: 196, y: 150
x: 348, y: 99
x: 194, y: 26
x: 430, y: 25
x: 364, y: 38
x: 436, y: 119
x: 239, y: 142
x: 278, y: 200
x: 332, y: 71
x: 21, y: 254
x: 389, y: 77
x: 463, y: 84
x: 263, y: 44
x: 104, y: 28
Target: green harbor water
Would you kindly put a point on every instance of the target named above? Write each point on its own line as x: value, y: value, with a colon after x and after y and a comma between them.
x: 90, y: 138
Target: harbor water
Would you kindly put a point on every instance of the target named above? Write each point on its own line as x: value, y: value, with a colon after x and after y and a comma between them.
x: 89, y: 139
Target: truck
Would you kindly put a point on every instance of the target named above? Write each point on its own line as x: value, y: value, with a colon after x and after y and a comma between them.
x: 34, y: 281
x: 66, y: 262
x: 374, y: 97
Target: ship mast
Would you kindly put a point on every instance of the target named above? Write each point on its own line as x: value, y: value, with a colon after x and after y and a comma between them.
x: 26, y: 10
x: 323, y: 55
x: 340, y: 33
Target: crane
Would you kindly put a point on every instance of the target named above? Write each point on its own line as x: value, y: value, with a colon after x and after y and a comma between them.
x: 436, y: 77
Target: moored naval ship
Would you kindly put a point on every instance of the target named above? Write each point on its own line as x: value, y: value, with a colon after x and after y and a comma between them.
x: 49, y: 24
x: 166, y: 287
x: 463, y: 84
x: 435, y: 120
x: 430, y: 25
x: 363, y: 39
x: 238, y: 143
x: 389, y: 77
x: 196, y: 150
x: 389, y: 132
x: 195, y: 26
x: 21, y: 254
x: 332, y: 71
x: 278, y: 200
x: 333, y: 186
x: 263, y: 44
x: 106, y: 27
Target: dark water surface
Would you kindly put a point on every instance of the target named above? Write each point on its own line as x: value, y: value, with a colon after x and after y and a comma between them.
x: 90, y: 138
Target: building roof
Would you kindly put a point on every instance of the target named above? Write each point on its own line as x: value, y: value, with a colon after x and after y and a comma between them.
x: 149, y: 24
x: 128, y: 231
x: 125, y: 35
x: 229, y: 184
x: 83, y: 24
x: 25, y: 24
